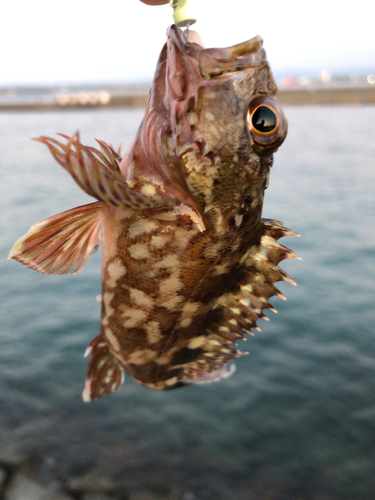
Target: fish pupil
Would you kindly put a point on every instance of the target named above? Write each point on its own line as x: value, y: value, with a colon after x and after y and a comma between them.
x: 264, y: 119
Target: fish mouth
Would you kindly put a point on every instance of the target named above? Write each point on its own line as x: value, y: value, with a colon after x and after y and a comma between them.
x: 216, y: 61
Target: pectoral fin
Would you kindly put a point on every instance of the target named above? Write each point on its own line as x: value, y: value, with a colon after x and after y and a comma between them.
x: 104, y: 375
x: 62, y: 243
x: 98, y: 174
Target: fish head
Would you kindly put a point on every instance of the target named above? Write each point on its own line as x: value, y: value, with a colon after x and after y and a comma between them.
x: 211, y: 121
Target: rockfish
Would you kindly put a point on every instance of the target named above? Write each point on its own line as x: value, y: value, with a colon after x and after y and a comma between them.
x: 188, y: 265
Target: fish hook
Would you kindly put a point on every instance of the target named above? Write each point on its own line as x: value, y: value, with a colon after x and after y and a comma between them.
x: 181, y: 13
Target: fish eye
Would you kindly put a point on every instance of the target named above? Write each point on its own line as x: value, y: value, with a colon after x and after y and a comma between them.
x: 267, y: 124
x: 264, y: 119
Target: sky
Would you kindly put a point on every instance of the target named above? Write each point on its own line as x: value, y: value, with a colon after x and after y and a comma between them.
x: 113, y: 41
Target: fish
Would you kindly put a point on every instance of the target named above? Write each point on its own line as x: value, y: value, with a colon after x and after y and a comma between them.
x: 188, y: 262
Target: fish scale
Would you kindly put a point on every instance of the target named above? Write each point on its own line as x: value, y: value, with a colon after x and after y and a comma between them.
x: 188, y: 264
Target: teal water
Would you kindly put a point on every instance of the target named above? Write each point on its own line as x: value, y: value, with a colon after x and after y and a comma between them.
x: 295, y: 421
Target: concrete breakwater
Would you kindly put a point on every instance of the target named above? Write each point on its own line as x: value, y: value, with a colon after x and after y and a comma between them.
x: 334, y: 95
x: 21, y: 480
x: 294, y: 96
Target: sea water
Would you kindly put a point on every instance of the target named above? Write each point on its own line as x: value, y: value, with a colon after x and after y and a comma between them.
x: 297, y: 418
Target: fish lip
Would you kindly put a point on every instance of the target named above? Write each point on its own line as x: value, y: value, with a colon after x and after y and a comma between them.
x: 234, y: 51
x: 243, y: 49
x: 215, y: 61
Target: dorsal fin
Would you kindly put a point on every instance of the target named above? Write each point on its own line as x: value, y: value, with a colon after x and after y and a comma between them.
x: 240, y: 309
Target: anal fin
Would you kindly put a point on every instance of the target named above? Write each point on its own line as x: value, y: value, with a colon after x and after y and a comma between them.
x: 214, y: 376
x: 104, y: 374
x: 211, y: 361
x: 62, y: 243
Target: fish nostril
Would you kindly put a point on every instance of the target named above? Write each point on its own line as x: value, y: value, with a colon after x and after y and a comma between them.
x: 191, y: 104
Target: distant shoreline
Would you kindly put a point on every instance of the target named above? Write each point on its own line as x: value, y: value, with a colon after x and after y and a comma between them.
x: 333, y: 96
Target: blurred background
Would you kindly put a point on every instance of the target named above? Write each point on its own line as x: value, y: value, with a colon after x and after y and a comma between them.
x: 93, y: 53
x: 296, y: 420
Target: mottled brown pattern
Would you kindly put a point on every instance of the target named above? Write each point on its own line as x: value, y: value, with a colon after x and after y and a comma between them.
x: 188, y: 263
